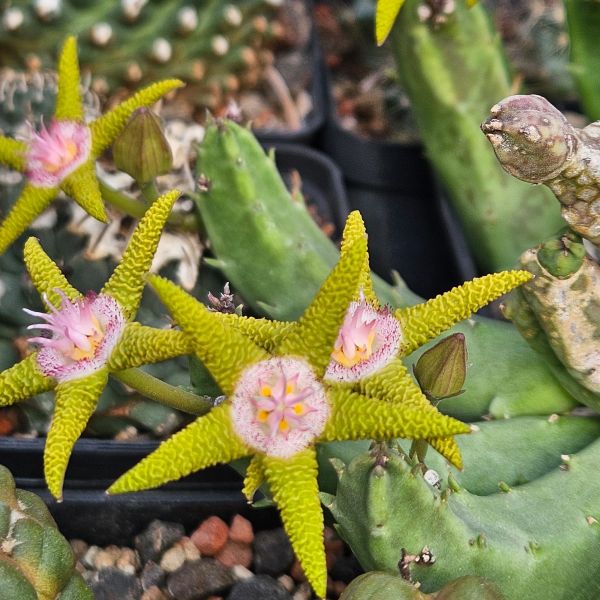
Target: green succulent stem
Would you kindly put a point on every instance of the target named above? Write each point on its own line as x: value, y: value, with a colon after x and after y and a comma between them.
x: 169, y: 395
x: 149, y: 191
x: 132, y: 207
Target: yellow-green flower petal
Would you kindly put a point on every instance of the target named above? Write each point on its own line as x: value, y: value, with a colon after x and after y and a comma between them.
x: 45, y: 274
x: 263, y: 332
x: 126, y: 284
x: 31, y: 203
x: 317, y: 329
x: 357, y: 417
x: 354, y: 230
x: 293, y: 483
x: 75, y: 403
x: 255, y: 475
x: 107, y: 127
x: 394, y: 384
x: 224, y: 351
x: 82, y: 185
x: 424, y: 322
x: 22, y: 381
x: 13, y: 153
x: 141, y: 345
x: 208, y: 441
x: 385, y: 16
x: 68, y: 97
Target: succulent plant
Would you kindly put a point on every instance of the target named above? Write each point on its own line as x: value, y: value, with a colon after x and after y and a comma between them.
x: 214, y: 46
x: 452, y: 67
x: 385, y: 586
x: 534, y: 142
x: 36, y: 561
x: 244, y: 205
x: 518, y: 537
x: 557, y: 312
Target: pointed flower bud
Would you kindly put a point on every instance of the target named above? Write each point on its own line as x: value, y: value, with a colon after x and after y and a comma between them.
x: 141, y: 150
x: 441, y: 371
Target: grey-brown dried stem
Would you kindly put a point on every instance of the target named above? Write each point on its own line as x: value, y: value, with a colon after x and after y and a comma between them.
x: 534, y: 142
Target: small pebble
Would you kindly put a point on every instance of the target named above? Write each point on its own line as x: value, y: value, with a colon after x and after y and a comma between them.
x: 154, y: 593
x: 127, y: 561
x: 152, y: 575
x: 241, y: 530
x: 235, y: 553
x: 107, y: 557
x: 156, y: 538
x: 189, y: 548
x: 287, y: 582
x: 172, y: 559
x: 79, y: 548
x: 90, y: 556
x: 198, y: 579
x: 210, y: 536
x: 112, y: 584
x: 240, y: 572
x: 273, y: 554
x: 261, y: 587
x: 303, y: 592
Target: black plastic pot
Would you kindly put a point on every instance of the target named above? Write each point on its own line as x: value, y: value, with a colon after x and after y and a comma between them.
x: 411, y: 228
x: 315, y: 120
x: 97, y: 463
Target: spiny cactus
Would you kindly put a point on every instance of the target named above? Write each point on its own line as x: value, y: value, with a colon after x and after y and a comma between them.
x: 36, y: 561
x: 558, y: 310
x: 215, y: 46
x: 254, y: 224
x: 530, y: 540
x: 452, y: 72
x: 583, y: 18
x: 28, y: 98
x: 534, y: 142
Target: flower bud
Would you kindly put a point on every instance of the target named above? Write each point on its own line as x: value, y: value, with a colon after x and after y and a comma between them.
x: 141, y: 150
x: 441, y: 371
x: 562, y: 256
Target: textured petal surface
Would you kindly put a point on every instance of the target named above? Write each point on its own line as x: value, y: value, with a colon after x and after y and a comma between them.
x: 293, y: 483
x: 82, y: 185
x: 107, y: 127
x: 255, y: 475
x: 355, y: 230
x: 423, y: 322
x: 22, y: 381
x: 224, y: 351
x: 263, y: 332
x: 45, y: 274
x: 68, y: 98
x: 357, y: 417
x: 127, y: 282
x: 141, y: 345
x: 207, y: 441
x: 29, y: 205
x: 394, y: 384
x: 318, y: 327
x: 75, y: 403
x: 12, y: 153
x: 385, y: 15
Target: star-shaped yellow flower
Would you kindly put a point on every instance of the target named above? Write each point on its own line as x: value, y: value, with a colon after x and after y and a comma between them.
x: 62, y: 156
x: 90, y: 337
x: 373, y: 365
x: 278, y: 407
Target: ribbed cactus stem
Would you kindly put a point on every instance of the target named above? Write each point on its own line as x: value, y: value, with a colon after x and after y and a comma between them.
x: 509, y: 537
x: 534, y: 142
x: 452, y: 72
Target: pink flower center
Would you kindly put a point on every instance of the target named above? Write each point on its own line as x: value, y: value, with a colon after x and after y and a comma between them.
x: 279, y: 406
x: 354, y: 343
x: 76, y: 329
x: 56, y: 151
